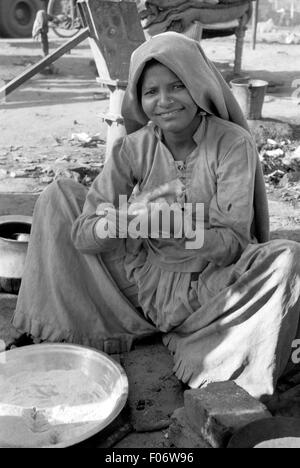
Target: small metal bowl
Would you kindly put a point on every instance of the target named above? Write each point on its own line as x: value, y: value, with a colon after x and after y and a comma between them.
x: 96, y: 365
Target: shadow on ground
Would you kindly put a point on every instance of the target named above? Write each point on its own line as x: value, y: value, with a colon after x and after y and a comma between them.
x: 68, y: 66
x: 53, y: 97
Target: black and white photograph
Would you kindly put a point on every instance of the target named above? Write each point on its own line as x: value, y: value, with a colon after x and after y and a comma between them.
x: 150, y: 226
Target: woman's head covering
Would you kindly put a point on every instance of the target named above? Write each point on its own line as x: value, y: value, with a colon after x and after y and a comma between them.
x: 208, y: 89
x: 186, y: 59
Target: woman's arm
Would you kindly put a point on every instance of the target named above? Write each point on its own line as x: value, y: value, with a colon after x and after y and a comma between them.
x: 231, y: 208
x: 115, y: 179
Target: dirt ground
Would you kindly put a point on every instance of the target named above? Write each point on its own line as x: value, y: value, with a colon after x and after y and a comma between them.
x: 40, y: 127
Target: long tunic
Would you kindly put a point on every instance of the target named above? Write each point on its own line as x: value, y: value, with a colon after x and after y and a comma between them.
x: 219, y: 173
x: 228, y: 310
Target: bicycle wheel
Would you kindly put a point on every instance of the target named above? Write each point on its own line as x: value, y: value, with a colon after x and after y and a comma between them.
x: 65, y: 12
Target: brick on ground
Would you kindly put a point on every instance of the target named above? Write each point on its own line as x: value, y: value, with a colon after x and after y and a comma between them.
x: 7, y: 307
x: 182, y: 435
x: 217, y: 411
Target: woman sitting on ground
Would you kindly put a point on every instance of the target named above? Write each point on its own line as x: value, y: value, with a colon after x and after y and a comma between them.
x: 227, y: 306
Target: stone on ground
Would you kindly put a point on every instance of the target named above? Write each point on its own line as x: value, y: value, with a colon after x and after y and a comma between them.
x: 220, y: 409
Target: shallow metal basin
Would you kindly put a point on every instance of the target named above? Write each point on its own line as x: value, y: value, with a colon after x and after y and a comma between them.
x: 96, y: 365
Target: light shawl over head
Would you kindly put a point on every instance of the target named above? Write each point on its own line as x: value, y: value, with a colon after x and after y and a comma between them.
x: 185, y: 58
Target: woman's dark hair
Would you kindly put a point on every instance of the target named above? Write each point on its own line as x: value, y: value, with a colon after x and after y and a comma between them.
x: 148, y: 65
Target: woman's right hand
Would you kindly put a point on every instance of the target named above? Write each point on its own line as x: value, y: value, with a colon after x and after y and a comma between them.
x: 170, y: 192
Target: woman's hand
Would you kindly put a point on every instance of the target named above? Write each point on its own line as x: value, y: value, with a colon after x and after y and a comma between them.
x: 170, y: 192
x: 149, y: 215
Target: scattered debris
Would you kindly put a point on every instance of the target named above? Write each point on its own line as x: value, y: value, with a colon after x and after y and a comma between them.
x: 277, y: 131
x: 289, y: 177
x: 66, y: 161
x: 297, y: 152
x: 46, y: 180
x: 18, y: 173
x: 279, y: 154
x: 15, y: 148
x: 63, y: 159
x: 268, y: 32
x: 274, y: 153
x: 275, y: 176
x: 281, y: 166
x: 58, y: 140
x: 272, y: 143
x: 87, y: 140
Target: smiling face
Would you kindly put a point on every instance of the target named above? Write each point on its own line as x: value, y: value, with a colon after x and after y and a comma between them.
x: 166, y: 101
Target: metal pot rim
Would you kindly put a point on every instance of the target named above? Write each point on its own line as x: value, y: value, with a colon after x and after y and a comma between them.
x: 7, y: 219
x: 15, y: 219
